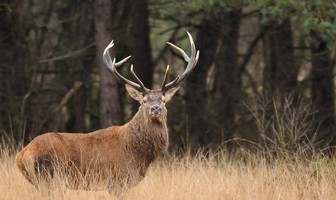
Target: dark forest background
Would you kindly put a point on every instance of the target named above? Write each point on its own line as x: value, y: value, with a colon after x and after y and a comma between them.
x: 265, y: 74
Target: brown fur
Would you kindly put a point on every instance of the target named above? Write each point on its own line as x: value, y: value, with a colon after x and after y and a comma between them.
x: 123, y: 152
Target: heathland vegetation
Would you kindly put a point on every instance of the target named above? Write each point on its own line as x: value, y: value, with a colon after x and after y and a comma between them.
x: 255, y: 119
x: 217, y: 176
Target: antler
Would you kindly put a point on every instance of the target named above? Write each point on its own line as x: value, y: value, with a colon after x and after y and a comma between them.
x: 192, y: 61
x: 112, y: 66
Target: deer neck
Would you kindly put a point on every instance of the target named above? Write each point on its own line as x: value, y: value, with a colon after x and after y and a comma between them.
x: 142, y: 123
x: 152, y: 136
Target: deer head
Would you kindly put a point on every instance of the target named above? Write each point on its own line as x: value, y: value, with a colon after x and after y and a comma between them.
x: 153, y: 101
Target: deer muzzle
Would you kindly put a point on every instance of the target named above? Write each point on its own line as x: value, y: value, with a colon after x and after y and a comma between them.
x: 155, y: 110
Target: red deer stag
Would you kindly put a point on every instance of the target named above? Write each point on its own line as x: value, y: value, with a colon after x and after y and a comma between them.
x: 117, y: 153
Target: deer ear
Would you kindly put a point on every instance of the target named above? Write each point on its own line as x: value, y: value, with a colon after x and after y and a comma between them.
x: 134, y: 93
x: 170, y: 93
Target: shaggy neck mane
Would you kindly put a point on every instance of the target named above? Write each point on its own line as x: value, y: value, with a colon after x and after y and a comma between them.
x: 150, y: 137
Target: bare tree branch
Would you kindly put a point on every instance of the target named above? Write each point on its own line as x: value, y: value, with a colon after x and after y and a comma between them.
x: 68, y: 55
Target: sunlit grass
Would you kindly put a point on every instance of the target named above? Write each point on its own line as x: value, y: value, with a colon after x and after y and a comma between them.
x: 285, y: 165
x: 214, y: 177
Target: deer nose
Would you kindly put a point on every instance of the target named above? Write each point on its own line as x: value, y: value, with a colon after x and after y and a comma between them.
x: 156, y: 110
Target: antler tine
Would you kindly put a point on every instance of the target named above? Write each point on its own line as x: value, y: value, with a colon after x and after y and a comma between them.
x: 163, y: 86
x: 192, y: 61
x: 138, y: 79
x: 165, y: 78
x: 112, y: 67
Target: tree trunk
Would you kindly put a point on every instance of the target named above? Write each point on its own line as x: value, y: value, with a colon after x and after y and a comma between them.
x: 323, y: 91
x: 141, y: 48
x: 213, y: 92
x: 196, y: 92
x: 280, y: 75
x: 13, y: 82
x: 110, y: 111
x: 226, y: 97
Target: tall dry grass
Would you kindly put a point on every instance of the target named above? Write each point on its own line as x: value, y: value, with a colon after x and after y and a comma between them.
x: 286, y: 166
x: 215, y: 177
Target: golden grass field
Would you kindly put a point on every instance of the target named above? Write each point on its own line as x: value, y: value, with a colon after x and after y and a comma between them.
x: 197, y: 178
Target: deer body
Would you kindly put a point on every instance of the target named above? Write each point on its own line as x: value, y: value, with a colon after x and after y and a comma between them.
x: 118, y: 153
x: 117, y: 149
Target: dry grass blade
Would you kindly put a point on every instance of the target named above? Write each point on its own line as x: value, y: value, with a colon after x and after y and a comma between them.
x: 214, y: 177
